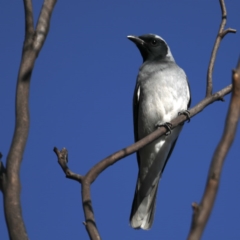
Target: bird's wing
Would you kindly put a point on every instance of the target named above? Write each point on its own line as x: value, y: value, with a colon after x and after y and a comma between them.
x: 174, y: 143
x: 169, y: 154
x: 136, y: 97
x: 156, y: 169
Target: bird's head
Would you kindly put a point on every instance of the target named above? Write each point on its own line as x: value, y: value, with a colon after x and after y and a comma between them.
x: 152, y: 47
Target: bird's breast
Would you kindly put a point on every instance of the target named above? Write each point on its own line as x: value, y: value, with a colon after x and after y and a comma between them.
x: 162, y: 96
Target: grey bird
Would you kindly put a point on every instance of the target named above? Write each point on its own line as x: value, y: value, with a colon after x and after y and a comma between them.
x: 161, y: 93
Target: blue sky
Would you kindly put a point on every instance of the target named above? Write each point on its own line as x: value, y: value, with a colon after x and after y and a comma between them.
x: 81, y: 99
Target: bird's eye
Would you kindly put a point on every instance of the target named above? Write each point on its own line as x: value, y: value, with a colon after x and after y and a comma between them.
x: 154, y: 42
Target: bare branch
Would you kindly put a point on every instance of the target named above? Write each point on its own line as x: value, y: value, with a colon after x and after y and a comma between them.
x: 43, y: 24
x: 220, y: 35
x: 62, y: 160
x: 29, y: 24
x: 90, y: 223
x: 94, y: 172
x: 202, y: 212
x: 226, y: 31
x: 11, y: 185
x: 223, y: 9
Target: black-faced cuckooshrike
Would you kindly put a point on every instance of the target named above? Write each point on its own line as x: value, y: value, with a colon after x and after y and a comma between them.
x: 161, y: 92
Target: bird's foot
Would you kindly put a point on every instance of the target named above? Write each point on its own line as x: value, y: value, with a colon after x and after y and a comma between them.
x: 167, y: 125
x: 186, y: 113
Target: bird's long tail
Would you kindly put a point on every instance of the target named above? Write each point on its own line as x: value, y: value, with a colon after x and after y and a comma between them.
x: 156, y: 156
x: 143, y: 207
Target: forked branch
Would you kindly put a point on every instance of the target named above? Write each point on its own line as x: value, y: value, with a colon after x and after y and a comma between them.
x: 221, y: 34
x: 94, y: 172
x: 9, y: 176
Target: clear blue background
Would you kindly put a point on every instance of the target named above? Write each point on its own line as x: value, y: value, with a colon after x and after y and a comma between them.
x: 81, y: 99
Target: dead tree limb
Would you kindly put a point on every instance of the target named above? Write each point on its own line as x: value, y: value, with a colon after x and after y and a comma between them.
x: 202, y: 211
x: 9, y: 176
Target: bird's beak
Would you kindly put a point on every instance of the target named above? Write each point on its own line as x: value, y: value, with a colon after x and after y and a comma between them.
x: 136, y: 40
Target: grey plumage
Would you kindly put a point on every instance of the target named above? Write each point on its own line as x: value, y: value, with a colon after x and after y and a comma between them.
x: 161, y: 92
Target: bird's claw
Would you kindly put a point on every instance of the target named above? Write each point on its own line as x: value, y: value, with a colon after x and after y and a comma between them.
x: 186, y: 113
x: 167, y: 125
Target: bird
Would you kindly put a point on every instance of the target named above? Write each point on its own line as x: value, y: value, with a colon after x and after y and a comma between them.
x: 161, y: 93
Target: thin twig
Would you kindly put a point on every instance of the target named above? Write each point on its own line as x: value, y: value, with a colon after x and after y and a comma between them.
x: 220, y: 35
x: 62, y: 160
x: 94, y: 172
x: 226, y: 31
x: 202, y: 211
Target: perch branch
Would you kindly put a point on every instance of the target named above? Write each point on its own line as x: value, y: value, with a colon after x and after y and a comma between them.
x: 94, y: 172
x: 102, y: 165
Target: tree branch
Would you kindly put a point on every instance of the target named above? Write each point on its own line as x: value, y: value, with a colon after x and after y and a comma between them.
x: 102, y: 165
x: 202, y: 212
x: 11, y: 186
x: 94, y: 172
x: 220, y: 36
x: 43, y: 24
x: 29, y: 24
x: 62, y: 160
